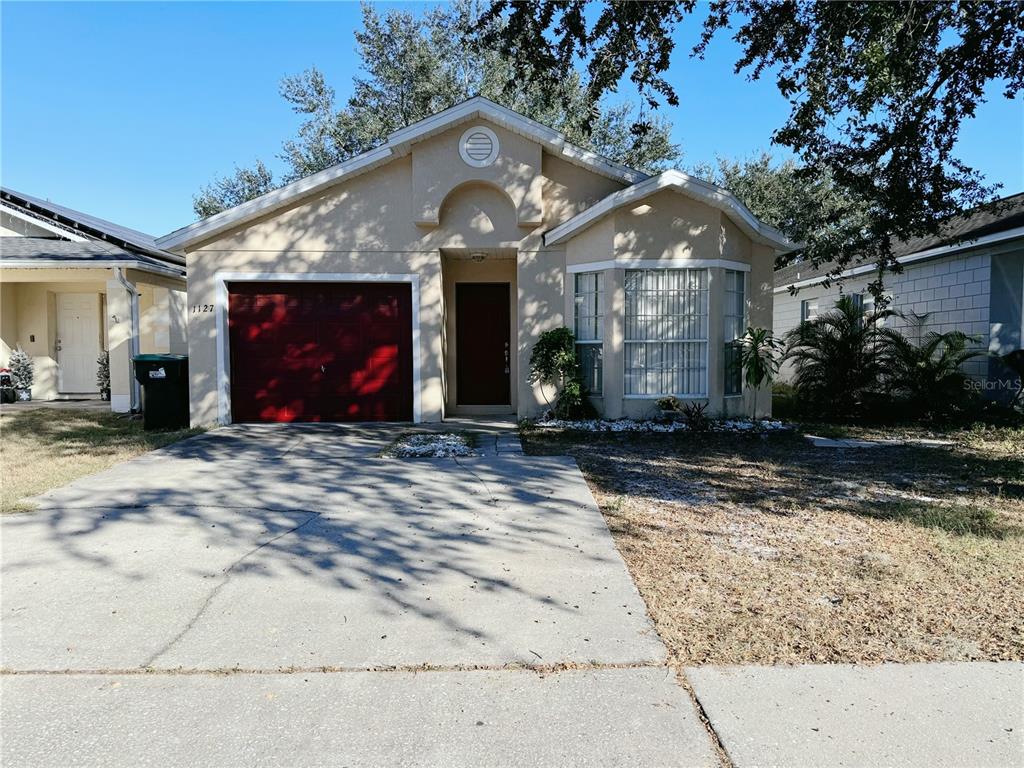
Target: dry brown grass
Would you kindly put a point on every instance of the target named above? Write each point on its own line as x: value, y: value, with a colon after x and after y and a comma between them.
x: 766, y: 550
x: 46, y: 448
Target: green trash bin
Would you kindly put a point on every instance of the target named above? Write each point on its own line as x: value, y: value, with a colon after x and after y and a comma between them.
x: 164, y: 380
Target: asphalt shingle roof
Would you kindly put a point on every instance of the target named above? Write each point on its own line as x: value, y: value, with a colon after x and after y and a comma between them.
x: 130, y: 237
x: 967, y: 226
x: 51, y: 249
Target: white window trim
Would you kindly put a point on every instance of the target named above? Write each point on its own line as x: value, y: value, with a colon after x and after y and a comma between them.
x: 624, y: 263
x: 221, y: 280
x: 706, y: 341
x: 817, y: 307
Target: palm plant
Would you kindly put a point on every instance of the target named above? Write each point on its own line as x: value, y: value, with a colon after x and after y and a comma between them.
x: 840, y: 358
x: 758, y: 359
x: 926, y: 373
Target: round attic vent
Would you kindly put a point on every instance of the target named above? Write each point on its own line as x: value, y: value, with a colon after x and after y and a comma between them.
x: 478, y: 147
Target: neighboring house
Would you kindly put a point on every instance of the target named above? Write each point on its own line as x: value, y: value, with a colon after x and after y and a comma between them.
x: 73, y: 285
x: 970, y: 278
x: 412, y: 281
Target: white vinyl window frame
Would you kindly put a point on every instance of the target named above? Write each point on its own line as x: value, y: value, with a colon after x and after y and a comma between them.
x: 595, y: 315
x: 745, y: 294
x: 221, y: 280
x: 806, y: 312
x: 703, y: 340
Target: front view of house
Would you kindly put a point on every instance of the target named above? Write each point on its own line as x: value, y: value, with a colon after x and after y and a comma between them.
x: 411, y: 282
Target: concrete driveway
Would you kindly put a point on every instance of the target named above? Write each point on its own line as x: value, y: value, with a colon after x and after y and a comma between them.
x: 266, y: 595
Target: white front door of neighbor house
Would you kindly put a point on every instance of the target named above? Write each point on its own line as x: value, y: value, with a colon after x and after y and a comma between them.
x: 78, y: 341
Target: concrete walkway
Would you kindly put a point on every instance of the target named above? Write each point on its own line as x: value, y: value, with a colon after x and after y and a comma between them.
x: 908, y: 715
x: 268, y: 596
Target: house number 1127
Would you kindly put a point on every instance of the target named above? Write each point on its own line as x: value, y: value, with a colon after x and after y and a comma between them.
x: 197, y: 308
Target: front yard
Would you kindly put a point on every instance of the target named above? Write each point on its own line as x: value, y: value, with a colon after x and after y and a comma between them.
x: 751, y: 549
x: 42, y: 448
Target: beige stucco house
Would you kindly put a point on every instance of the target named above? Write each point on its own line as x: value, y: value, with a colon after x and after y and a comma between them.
x: 411, y: 282
x: 73, y: 285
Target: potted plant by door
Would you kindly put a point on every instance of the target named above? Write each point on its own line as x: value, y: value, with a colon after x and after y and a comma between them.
x: 103, y: 375
x: 671, y: 408
x: 22, y: 374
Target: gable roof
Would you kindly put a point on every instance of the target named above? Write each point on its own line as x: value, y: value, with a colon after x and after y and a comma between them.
x: 970, y: 229
x: 691, y: 186
x: 84, y: 223
x: 397, y: 145
x: 49, y: 253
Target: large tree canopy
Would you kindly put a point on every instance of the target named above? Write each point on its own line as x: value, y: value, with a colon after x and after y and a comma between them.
x: 878, y: 91
x: 781, y: 194
x: 415, y: 65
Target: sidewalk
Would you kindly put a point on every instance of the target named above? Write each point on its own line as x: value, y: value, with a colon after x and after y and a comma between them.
x: 928, y: 715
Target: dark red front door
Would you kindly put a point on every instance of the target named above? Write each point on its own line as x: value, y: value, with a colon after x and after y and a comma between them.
x: 320, y: 351
x: 482, y: 344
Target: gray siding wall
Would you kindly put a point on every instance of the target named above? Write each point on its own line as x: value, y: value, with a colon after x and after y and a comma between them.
x: 955, y: 291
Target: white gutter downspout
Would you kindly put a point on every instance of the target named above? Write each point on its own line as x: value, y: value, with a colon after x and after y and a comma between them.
x: 133, y: 342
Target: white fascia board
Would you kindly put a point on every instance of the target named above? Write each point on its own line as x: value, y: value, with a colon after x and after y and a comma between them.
x: 685, y: 184
x: 398, y: 145
x: 86, y: 264
x: 627, y: 263
x: 910, y: 258
x: 273, y: 200
x: 42, y: 224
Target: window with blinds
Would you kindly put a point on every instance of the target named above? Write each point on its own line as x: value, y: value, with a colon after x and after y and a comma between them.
x: 666, y: 339
x: 589, y: 328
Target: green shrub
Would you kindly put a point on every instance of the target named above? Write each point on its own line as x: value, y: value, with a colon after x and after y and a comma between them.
x: 695, y: 416
x: 553, y: 362
x: 784, y: 400
x: 926, y: 375
x: 840, y: 358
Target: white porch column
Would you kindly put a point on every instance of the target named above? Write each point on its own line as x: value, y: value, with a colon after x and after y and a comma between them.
x: 120, y: 346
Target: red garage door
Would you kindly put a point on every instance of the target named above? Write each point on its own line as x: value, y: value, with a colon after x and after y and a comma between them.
x: 320, y: 351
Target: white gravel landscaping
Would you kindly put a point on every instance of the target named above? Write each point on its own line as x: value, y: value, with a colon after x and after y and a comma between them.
x: 434, y: 445
x: 649, y: 425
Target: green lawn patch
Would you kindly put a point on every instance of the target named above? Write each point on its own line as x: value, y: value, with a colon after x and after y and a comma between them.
x: 46, y: 448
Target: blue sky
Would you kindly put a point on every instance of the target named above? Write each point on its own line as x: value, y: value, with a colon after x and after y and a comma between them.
x: 124, y: 110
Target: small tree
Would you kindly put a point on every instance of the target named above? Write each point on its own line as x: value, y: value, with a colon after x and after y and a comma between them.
x: 22, y: 373
x: 103, y: 374
x: 553, y: 361
x: 758, y: 358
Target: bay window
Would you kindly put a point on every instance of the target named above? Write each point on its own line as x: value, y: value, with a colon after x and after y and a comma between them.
x: 666, y: 338
x: 589, y: 328
x: 735, y: 316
